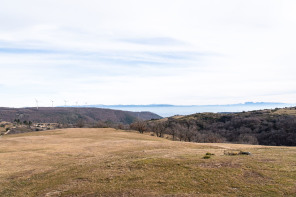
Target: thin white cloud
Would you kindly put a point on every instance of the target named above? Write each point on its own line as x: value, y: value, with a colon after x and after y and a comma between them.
x: 142, y: 52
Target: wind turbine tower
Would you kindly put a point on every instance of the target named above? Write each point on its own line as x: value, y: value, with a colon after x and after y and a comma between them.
x: 51, y: 103
x: 65, y: 102
x: 36, y: 103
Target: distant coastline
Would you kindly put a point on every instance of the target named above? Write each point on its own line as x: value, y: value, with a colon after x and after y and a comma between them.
x: 166, y: 110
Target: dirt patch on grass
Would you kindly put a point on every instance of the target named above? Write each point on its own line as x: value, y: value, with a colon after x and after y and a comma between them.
x: 219, y: 165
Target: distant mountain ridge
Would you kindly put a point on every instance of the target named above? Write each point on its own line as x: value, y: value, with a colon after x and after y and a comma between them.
x: 171, y: 105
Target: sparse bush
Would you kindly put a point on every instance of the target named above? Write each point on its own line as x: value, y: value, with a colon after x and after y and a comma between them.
x: 80, y: 123
x: 139, y: 126
x: 208, y: 155
x: 247, y: 139
x: 101, y: 124
x: 120, y: 126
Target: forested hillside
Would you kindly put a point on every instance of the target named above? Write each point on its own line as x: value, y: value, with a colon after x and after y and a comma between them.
x: 71, y: 115
x: 265, y: 127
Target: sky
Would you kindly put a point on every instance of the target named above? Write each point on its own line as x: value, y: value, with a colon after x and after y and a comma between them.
x: 183, y: 52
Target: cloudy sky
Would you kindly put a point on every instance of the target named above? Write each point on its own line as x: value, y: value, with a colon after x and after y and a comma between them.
x: 147, y: 51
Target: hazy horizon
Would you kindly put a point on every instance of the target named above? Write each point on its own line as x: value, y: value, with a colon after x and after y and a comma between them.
x: 186, y: 52
x: 167, y: 110
x: 74, y: 104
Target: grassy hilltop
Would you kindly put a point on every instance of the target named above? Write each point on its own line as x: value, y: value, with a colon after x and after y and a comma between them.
x: 276, y: 127
x: 109, y: 162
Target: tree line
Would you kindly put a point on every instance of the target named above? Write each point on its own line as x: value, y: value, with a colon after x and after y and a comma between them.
x: 256, y: 127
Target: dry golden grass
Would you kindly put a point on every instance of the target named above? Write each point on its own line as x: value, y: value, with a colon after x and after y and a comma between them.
x: 108, y: 162
x: 287, y: 111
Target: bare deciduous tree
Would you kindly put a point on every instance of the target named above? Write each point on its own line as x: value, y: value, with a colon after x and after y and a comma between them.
x: 139, y: 126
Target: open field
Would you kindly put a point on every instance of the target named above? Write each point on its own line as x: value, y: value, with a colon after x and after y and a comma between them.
x: 108, y: 162
x: 286, y: 111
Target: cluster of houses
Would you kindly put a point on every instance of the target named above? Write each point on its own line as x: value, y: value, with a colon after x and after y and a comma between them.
x: 14, y: 128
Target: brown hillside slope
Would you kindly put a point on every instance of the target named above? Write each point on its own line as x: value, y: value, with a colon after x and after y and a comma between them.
x: 72, y: 115
x: 108, y: 162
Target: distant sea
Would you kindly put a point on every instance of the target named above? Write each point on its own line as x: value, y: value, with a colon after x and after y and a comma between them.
x: 171, y: 110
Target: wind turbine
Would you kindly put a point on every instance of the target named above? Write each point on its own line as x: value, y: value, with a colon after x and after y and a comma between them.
x: 65, y: 102
x: 76, y: 103
x: 51, y: 103
x: 36, y: 103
